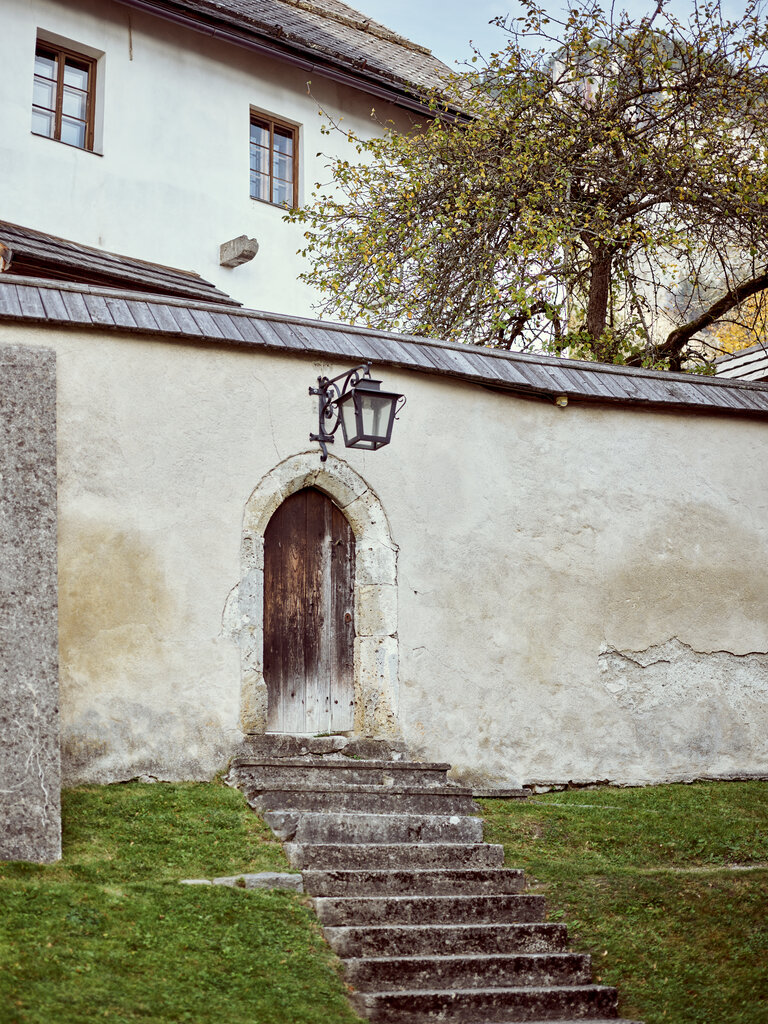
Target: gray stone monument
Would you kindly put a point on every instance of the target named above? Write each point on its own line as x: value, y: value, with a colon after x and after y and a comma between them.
x: 30, y: 772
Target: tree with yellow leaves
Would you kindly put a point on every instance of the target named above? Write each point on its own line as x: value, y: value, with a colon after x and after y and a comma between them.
x: 564, y: 191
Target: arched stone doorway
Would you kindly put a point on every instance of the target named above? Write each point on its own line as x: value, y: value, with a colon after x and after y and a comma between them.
x: 376, y: 662
x: 309, y: 628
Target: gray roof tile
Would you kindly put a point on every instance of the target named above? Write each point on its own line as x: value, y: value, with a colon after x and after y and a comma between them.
x: 31, y: 303
x: 35, y: 252
x: 9, y: 302
x: 69, y: 304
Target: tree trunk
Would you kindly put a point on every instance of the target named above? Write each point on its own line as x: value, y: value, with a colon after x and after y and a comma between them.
x: 599, y: 291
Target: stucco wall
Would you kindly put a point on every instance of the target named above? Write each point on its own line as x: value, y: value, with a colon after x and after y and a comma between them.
x: 170, y: 182
x: 581, y: 591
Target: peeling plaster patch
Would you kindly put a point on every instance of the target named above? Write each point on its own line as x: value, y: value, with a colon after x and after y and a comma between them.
x: 690, y: 708
x: 376, y: 644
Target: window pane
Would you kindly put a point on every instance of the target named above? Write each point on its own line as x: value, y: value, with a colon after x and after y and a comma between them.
x: 282, y: 193
x: 74, y: 103
x: 75, y: 74
x: 259, y: 135
x: 45, y: 65
x: 282, y: 167
x: 260, y: 160
x: 283, y: 140
x: 44, y: 94
x: 259, y: 187
x: 73, y: 132
x: 42, y: 122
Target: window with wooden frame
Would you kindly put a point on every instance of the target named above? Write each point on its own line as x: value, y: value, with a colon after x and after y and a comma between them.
x: 274, y: 161
x: 63, y: 97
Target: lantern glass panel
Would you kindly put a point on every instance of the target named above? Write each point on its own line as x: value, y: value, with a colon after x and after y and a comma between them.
x: 346, y: 407
x: 374, y: 414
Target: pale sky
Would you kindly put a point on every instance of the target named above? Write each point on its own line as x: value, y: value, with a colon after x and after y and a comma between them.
x: 446, y: 26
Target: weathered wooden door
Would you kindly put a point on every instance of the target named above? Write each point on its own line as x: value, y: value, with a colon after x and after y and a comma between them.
x: 309, y: 630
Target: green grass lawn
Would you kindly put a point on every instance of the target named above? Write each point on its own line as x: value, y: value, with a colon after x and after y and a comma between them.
x: 666, y: 886
x: 108, y: 934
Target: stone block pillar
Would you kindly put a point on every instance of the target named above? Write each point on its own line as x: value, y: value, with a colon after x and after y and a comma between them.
x: 30, y: 773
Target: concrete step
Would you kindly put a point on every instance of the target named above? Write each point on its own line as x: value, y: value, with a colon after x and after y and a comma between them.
x: 390, y: 856
x: 314, y: 827
x: 548, y: 1002
x: 436, y: 882
x: 397, y: 973
x: 366, y: 799
x: 252, y: 774
x: 334, y: 911
x: 284, y: 745
x: 446, y: 939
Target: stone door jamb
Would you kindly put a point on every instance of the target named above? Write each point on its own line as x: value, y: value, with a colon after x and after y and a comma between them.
x: 376, y: 642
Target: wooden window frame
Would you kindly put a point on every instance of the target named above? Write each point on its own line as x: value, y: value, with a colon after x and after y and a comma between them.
x: 44, y: 48
x: 270, y: 123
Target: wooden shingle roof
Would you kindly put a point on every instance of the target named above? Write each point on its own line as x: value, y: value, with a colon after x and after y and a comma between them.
x: 324, y: 36
x: 37, y: 254
x: 87, y: 307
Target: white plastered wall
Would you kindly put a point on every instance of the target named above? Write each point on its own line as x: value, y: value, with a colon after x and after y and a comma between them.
x: 581, y: 591
x: 170, y: 181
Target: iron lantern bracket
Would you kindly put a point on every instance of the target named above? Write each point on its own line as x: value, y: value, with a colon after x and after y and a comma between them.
x: 329, y: 392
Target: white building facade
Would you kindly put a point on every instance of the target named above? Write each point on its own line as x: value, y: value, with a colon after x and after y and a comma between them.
x: 172, y: 96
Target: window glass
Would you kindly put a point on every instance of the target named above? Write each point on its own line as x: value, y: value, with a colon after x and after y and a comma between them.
x: 273, y: 166
x: 73, y: 132
x: 260, y: 160
x: 282, y: 167
x: 283, y: 141
x: 260, y: 187
x: 62, y: 105
x: 75, y: 75
x: 42, y: 123
x: 44, y: 94
x: 259, y: 135
x: 282, y: 193
x: 45, y: 65
x: 74, y: 103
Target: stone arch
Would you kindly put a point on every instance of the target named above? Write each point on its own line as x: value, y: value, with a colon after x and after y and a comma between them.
x: 376, y: 643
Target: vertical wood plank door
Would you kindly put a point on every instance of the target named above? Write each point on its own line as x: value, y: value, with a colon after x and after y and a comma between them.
x: 309, y: 629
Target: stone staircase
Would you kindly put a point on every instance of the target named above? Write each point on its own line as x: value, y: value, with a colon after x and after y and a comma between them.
x: 429, y: 924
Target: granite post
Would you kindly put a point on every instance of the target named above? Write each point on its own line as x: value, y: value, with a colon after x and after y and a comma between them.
x: 30, y: 772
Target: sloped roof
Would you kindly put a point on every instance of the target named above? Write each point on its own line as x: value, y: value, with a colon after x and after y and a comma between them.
x: 321, y: 35
x: 88, y: 307
x: 37, y: 254
x: 746, y: 364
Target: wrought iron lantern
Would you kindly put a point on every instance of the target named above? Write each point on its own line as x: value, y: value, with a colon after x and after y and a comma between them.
x: 365, y: 413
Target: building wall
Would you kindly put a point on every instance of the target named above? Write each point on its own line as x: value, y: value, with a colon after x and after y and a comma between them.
x: 581, y: 591
x: 170, y: 180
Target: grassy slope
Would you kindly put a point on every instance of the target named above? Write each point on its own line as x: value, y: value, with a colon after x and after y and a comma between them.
x: 643, y: 878
x: 640, y: 875
x: 108, y: 934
